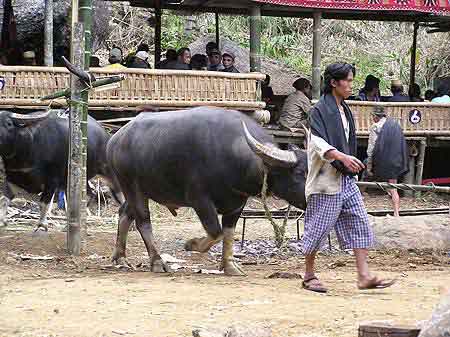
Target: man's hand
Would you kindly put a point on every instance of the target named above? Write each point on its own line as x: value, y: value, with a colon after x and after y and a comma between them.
x: 353, y: 164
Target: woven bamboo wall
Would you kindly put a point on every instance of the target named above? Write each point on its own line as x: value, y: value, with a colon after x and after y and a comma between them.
x: 435, y: 118
x: 168, y: 88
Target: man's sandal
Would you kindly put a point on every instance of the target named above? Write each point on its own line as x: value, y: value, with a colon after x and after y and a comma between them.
x: 314, y: 286
x: 376, y: 283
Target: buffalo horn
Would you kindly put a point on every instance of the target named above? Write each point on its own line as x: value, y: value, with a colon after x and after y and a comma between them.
x: 306, y: 131
x: 269, y: 153
x: 29, y: 119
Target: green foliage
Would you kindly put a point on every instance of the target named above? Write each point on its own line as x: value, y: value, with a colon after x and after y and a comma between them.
x: 173, y: 35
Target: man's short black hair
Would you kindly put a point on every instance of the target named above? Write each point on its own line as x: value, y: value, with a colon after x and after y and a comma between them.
x: 336, y: 71
x: 143, y: 47
x: 430, y: 94
x: 182, y: 50
x: 171, y: 54
x: 301, y: 84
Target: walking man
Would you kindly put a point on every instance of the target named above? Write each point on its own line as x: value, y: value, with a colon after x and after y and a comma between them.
x: 387, y: 153
x: 333, y: 198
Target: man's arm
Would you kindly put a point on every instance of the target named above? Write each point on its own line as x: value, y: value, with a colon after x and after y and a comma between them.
x: 370, y: 148
x: 329, y: 153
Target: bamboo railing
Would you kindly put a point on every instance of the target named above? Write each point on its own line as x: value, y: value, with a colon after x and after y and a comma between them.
x: 164, y: 88
x: 435, y: 117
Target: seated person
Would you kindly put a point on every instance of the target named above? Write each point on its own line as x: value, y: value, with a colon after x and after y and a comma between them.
x: 215, y: 58
x: 29, y: 58
x: 414, y: 93
x: 397, y: 92
x: 429, y: 95
x: 210, y: 46
x: 442, y: 95
x: 228, y: 63
x: 199, y: 62
x: 140, y: 61
x: 115, y: 59
x: 297, y: 105
x: 267, y: 91
x: 169, y: 61
x: 184, y: 59
x: 371, y: 90
x: 94, y: 62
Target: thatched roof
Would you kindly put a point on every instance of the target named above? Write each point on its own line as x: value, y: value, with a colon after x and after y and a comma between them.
x: 281, y: 75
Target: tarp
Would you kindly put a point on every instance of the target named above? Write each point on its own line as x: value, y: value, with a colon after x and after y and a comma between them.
x: 425, y: 6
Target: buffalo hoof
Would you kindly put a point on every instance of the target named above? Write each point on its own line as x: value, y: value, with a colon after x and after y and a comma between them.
x: 201, y: 245
x: 159, y: 266
x: 232, y: 268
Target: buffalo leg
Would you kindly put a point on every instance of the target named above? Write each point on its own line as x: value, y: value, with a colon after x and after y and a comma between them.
x: 229, y: 264
x: 5, y: 201
x: 144, y: 226
x: 44, y: 205
x: 208, y: 216
x: 125, y: 220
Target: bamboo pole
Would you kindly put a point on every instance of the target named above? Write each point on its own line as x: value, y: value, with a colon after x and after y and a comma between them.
x: 255, y: 39
x: 158, y: 15
x: 404, y: 187
x: 96, y: 84
x: 48, y: 33
x: 217, y: 30
x: 316, y: 54
x: 412, y: 72
x: 420, y: 163
x: 76, y: 190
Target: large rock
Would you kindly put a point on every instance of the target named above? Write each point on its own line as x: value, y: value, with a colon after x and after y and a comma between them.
x: 30, y: 24
x: 439, y: 324
x: 412, y: 232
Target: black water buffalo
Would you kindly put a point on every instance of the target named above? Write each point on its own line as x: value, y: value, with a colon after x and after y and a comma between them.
x: 204, y: 158
x: 35, y: 149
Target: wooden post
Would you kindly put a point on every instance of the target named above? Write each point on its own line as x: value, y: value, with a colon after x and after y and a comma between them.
x: 75, y: 177
x: 409, y: 178
x: 158, y: 14
x: 316, y: 57
x: 7, y: 14
x: 48, y: 33
x: 412, y: 71
x: 218, y: 30
x: 255, y: 39
x: 420, y: 163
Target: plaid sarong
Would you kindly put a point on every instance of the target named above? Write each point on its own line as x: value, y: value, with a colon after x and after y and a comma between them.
x: 345, y: 212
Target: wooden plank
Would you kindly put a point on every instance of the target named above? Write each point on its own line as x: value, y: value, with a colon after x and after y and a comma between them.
x: 387, y: 331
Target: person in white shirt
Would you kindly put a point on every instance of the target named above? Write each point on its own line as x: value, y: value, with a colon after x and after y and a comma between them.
x: 333, y: 198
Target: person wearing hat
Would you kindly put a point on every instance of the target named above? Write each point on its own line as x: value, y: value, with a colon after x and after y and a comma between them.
x: 29, y: 58
x: 215, y: 58
x: 387, y: 152
x: 296, y: 106
x: 371, y: 90
x: 140, y: 60
x: 228, y: 63
x: 398, y: 94
x: 115, y: 59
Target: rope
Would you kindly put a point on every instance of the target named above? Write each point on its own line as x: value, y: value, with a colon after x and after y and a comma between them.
x: 279, y: 231
x: 403, y: 187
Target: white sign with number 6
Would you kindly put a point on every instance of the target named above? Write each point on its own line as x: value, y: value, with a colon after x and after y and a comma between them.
x: 415, y: 116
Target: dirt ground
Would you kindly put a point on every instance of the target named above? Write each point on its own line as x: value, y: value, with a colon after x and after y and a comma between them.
x: 85, y: 296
